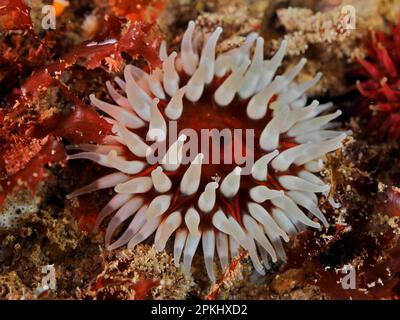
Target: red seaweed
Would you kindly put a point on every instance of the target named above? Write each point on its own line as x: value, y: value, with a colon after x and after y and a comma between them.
x: 147, y: 10
x: 25, y: 136
x: 14, y: 15
x: 30, y: 170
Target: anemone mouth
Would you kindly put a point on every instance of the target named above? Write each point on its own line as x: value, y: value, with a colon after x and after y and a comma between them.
x: 223, y: 204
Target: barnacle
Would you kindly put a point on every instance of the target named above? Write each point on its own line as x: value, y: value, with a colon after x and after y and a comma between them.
x: 221, y: 203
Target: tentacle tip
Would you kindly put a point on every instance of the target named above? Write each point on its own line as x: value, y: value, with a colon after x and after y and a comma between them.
x: 238, y: 171
x: 316, y: 225
x: 214, y: 185
x: 261, y: 271
x: 212, y: 278
x: 131, y: 246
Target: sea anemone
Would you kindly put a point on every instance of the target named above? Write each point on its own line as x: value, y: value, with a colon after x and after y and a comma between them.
x: 381, y: 89
x: 220, y: 202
